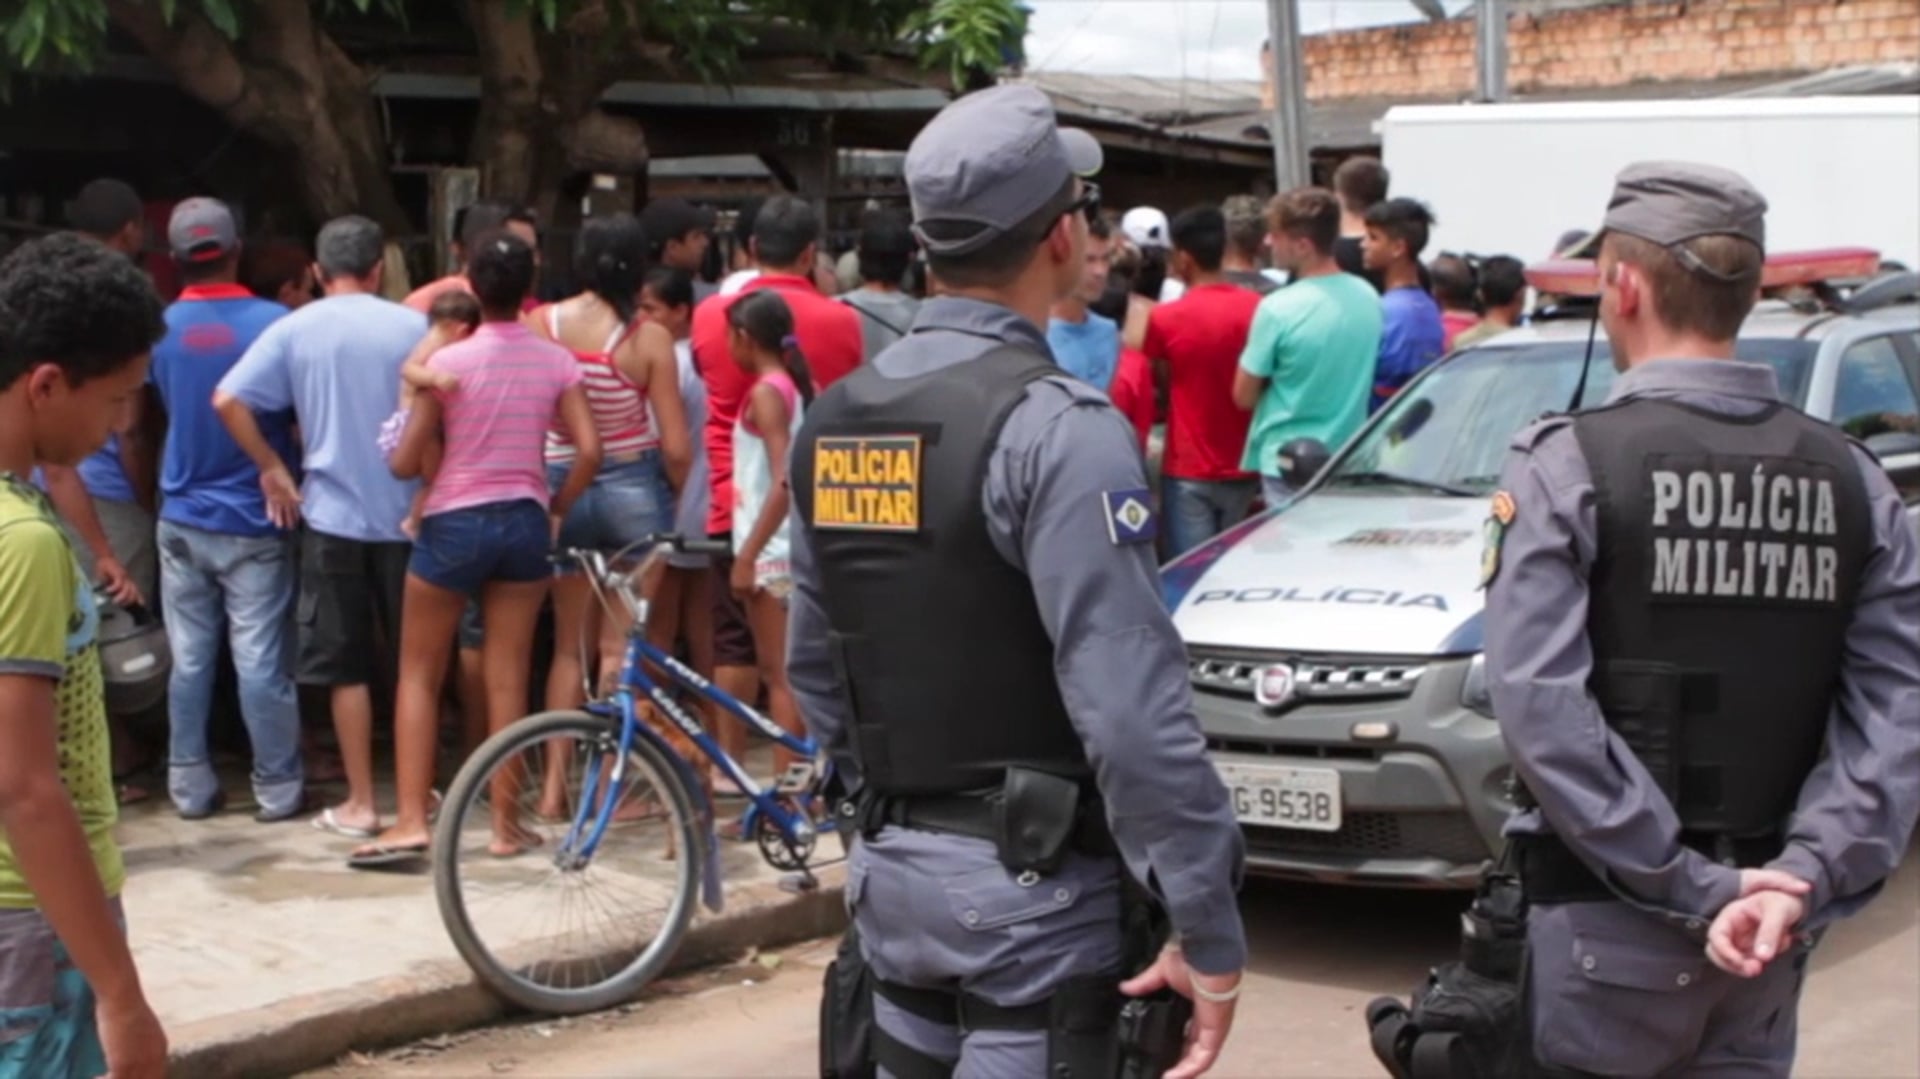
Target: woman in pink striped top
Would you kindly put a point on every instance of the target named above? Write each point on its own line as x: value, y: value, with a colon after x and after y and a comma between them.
x: 485, y: 530
x: 632, y: 381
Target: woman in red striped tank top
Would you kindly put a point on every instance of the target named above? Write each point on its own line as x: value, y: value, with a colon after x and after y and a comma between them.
x: 626, y: 365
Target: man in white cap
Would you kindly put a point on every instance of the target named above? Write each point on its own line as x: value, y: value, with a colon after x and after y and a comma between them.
x: 1025, y: 765
x: 1147, y: 228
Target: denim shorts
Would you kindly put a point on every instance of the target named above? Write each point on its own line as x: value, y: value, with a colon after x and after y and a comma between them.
x: 461, y: 550
x: 628, y: 501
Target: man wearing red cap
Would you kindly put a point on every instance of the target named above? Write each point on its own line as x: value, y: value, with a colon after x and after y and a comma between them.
x: 223, y: 561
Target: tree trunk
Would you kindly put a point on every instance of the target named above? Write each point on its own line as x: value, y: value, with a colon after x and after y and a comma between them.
x: 539, y: 118
x: 288, y: 84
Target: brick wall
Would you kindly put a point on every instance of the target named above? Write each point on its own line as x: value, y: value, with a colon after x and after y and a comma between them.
x: 1623, y: 42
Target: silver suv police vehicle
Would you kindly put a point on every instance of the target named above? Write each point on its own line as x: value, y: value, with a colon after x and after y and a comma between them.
x: 1334, y: 643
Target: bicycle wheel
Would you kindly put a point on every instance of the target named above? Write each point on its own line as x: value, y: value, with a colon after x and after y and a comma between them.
x: 516, y: 891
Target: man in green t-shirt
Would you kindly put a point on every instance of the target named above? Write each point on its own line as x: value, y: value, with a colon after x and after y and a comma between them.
x: 1308, y: 366
x: 77, y: 322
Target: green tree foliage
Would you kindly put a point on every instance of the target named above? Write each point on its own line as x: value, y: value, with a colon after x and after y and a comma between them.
x: 61, y: 36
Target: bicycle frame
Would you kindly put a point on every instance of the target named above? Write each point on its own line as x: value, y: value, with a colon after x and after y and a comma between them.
x: 636, y: 681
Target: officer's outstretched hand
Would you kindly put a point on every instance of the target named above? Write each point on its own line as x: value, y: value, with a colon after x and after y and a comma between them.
x: 1212, y: 1019
x: 1750, y: 932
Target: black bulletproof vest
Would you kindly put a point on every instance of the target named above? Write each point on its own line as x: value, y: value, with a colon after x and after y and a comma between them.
x: 1728, y: 562
x: 943, y: 659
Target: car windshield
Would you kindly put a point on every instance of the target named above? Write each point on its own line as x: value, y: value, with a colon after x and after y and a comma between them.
x: 1448, y: 433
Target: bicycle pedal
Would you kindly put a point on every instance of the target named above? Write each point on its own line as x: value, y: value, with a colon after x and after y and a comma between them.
x: 797, y: 778
x: 800, y: 883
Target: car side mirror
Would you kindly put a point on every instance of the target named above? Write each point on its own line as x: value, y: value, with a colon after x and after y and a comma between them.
x: 1893, y: 444
x: 1301, y: 460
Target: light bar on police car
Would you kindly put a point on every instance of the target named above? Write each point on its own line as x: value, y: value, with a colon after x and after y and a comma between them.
x: 1581, y: 277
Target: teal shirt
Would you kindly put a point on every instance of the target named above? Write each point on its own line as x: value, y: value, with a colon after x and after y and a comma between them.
x: 1315, y: 342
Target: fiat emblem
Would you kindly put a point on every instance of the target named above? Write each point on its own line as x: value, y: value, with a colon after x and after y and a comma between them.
x: 1273, y: 686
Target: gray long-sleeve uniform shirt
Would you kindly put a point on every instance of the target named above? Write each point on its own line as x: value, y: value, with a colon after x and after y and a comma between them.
x: 1121, y: 665
x: 1856, y: 810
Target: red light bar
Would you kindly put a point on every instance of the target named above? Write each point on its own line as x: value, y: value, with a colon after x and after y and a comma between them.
x: 1581, y: 277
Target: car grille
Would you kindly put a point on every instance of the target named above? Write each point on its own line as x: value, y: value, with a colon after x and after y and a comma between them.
x: 1315, y: 679
x: 1450, y: 837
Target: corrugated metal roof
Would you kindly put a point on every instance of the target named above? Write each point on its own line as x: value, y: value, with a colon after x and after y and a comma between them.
x: 1186, y: 109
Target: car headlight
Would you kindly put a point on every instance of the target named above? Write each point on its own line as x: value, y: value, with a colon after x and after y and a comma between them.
x: 1474, y: 693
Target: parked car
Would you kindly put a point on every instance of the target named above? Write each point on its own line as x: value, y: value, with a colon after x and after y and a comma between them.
x: 1335, y: 643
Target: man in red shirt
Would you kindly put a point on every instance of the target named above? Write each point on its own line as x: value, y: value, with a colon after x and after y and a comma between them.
x: 1195, y: 344
x: 785, y: 242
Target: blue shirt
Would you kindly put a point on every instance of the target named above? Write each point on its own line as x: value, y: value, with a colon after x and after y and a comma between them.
x: 336, y: 364
x: 103, y: 475
x: 1411, y: 338
x: 209, y: 482
x: 1089, y: 351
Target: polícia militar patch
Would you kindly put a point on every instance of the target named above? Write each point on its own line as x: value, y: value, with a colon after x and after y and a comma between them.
x: 867, y: 484
x: 1129, y: 516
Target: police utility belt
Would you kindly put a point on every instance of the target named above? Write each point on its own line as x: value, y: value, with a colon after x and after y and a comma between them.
x: 1034, y: 819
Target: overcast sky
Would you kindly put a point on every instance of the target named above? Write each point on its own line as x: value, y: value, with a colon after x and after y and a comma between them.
x: 1202, y: 39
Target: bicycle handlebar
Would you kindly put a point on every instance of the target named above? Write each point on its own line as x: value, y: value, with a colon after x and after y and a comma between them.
x: 601, y: 572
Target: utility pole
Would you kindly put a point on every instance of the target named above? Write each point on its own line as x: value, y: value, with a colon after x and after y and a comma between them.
x: 1490, y: 48
x: 1289, y: 124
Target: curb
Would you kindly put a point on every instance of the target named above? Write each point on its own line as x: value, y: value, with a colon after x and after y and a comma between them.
x: 312, y: 1031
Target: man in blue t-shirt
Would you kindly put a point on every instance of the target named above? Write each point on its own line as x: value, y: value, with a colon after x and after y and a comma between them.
x: 1084, y: 344
x: 1412, y: 334
x: 336, y: 363
x: 222, y: 561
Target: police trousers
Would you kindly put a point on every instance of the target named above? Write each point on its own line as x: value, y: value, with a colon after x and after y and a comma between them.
x: 939, y: 911
x: 1619, y: 992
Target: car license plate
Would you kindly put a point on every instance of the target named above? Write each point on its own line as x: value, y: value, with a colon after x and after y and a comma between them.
x: 1280, y: 797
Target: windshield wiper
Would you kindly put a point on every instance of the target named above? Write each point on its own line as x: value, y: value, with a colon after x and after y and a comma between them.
x: 1359, y: 479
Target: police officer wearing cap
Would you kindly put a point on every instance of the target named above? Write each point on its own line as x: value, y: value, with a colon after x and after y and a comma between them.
x: 979, y: 642
x: 1703, y: 644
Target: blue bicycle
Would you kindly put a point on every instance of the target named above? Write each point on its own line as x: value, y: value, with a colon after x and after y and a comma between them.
x: 635, y: 849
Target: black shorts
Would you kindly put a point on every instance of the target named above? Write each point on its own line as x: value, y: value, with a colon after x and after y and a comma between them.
x: 732, y: 634
x: 349, y: 599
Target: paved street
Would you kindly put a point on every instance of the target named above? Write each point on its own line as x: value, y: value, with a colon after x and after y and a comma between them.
x: 1321, y: 955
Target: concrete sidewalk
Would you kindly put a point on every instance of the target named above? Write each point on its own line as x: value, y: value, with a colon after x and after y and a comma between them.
x: 265, y: 955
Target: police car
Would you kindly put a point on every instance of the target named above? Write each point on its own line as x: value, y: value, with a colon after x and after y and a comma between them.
x: 1334, y: 643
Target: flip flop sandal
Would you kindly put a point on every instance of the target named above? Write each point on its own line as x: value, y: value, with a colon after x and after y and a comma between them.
x: 131, y: 794
x: 382, y: 857
x: 329, y: 821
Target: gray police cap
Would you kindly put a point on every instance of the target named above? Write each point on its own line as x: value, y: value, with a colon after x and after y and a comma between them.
x: 1671, y: 202
x: 992, y: 160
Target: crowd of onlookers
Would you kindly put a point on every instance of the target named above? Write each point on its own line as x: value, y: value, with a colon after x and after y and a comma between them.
x: 318, y: 468
x: 1188, y: 320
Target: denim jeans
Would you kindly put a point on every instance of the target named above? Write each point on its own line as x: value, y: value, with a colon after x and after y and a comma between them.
x: 245, y: 585
x: 1195, y: 511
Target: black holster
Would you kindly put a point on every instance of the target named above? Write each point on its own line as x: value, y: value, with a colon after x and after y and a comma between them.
x: 1469, y: 1020
x: 846, y: 1014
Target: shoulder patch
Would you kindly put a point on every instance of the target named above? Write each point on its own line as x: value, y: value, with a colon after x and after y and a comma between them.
x: 1494, y: 537
x: 1129, y: 516
x: 867, y: 483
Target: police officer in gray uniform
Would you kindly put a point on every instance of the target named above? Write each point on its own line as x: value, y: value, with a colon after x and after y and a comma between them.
x: 1703, y: 641
x: 978, y: 639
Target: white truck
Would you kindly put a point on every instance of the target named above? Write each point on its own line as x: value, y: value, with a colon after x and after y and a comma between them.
x: 1510, y: 179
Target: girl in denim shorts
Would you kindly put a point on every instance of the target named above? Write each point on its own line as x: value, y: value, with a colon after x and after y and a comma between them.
x: 632, y: 384
x: 484, y: 531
